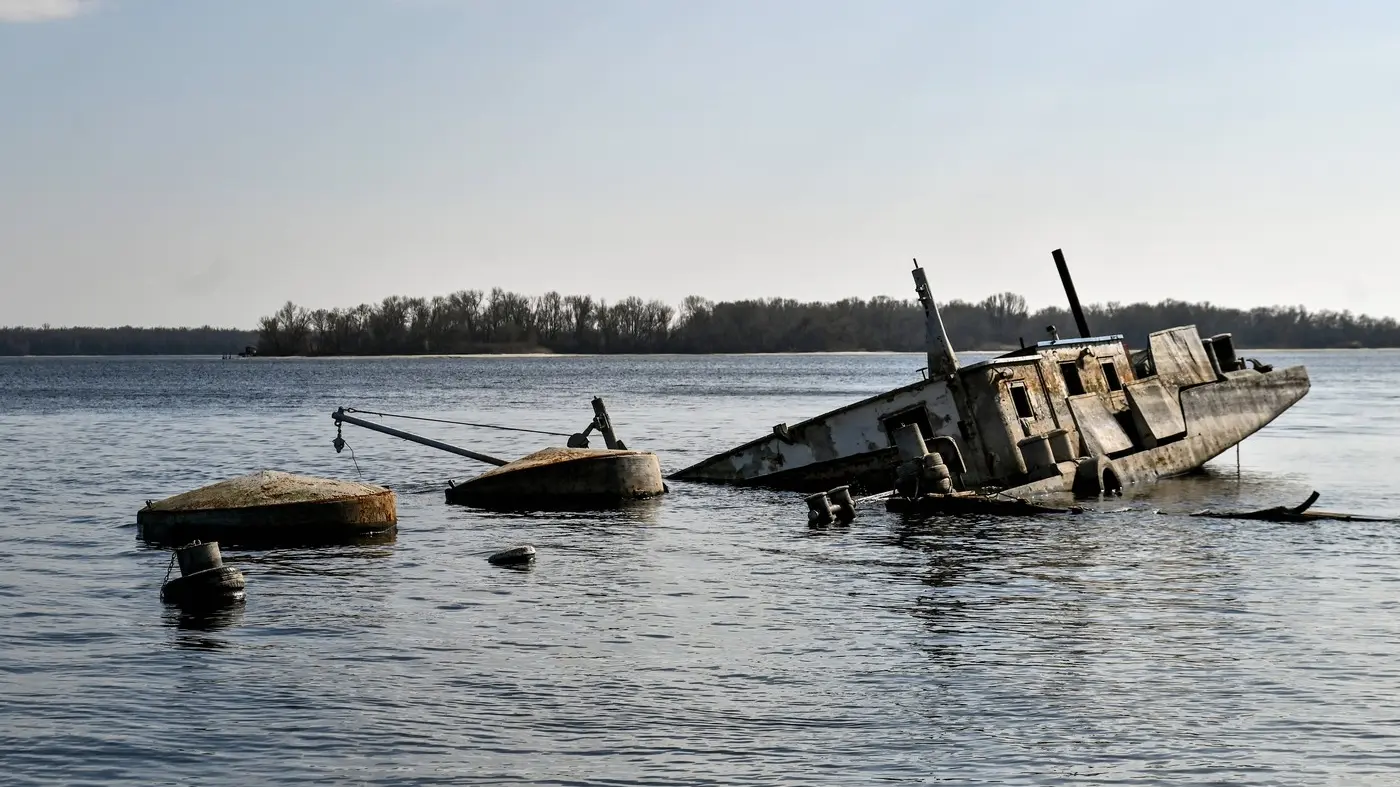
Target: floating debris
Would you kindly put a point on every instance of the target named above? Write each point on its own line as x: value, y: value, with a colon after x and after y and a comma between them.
x: 1298, y: 513
x: 271, y: 508
x: 515, y: 556
x: 204, y: 579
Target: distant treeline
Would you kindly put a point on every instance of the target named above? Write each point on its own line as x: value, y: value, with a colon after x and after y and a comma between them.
x: 124, y: 341
x: 475, y: 321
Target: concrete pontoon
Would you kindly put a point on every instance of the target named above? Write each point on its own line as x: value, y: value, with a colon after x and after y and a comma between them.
x: 271, y: 508
x: 1079, y: 414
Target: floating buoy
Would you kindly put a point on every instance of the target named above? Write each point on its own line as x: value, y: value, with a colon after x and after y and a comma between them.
x: 271, y: 508
x: 204, y: 579
x: 515, y: 556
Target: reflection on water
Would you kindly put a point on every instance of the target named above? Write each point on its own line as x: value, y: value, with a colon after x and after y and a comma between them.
x: 706, y: 637
x: 192, y: 620
x: 635, y: 512
x: 523, y: 568
x: 337, y: 561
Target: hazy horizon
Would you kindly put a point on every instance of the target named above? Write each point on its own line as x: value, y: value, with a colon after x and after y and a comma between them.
x: 173, y: 164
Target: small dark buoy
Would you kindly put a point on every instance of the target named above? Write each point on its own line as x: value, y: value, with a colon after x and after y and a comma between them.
x: 515, y: 556
x: 204, y: 579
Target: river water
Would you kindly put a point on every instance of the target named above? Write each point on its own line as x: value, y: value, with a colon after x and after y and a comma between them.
x: 708, y: 637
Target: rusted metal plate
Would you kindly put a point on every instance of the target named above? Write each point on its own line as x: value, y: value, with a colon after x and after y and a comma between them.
x: 1102, y: 434
x: 1156, y: 412
x: 1180, y: 357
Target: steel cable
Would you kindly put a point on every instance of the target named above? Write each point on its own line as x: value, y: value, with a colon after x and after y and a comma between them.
x: 458, y: 423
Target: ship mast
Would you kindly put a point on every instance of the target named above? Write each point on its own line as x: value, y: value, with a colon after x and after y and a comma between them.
x: 942, y: 361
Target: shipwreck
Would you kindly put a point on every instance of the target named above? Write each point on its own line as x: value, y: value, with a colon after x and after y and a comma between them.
x: 1084, y: 415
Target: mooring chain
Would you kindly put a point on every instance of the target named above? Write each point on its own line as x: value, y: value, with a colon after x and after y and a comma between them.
x: 169, y: 568
x: 457, y: 423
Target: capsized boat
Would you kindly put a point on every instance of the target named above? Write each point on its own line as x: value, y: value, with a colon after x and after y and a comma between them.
x: 1077, y: 414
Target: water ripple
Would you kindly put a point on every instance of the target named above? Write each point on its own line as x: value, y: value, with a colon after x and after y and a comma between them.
x: 707, y: 638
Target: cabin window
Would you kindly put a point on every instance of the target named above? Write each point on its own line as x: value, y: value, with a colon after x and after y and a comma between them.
x: 917, y: 415
x: 1110, y: 375
x: 1022, y: 400
x: 1073, y: 385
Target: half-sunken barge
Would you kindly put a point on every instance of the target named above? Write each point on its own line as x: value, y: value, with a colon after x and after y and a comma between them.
x: 1082, y: 415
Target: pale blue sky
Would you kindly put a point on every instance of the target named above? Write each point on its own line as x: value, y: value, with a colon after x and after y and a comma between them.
x: 167, y: 162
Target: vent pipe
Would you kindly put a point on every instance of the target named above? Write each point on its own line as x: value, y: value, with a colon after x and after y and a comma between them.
x: 1071, y: 294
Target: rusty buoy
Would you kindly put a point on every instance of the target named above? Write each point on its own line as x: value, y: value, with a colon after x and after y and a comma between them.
x: 204, y: 579
x: 271, y: 508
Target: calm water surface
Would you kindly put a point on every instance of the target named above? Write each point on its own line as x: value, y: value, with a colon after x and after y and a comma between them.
x: 705, y: 638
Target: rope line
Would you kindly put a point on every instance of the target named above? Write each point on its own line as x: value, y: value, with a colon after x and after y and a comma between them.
x: 457, y: 423
x: 358, y: 474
